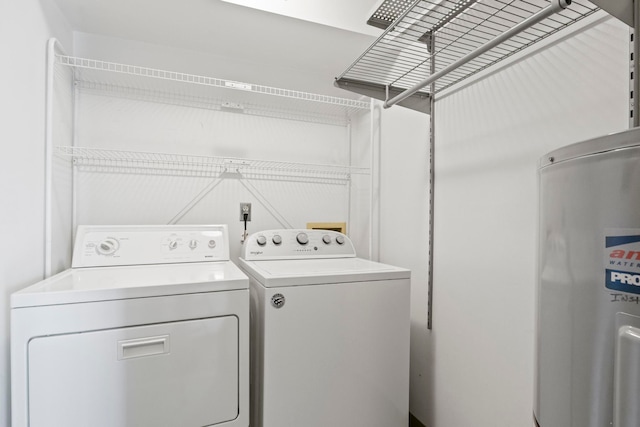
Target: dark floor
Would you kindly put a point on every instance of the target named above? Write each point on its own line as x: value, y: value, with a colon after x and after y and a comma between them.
x: 414, y: 422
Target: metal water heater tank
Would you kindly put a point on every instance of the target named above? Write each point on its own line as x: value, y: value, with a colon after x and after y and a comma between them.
x: 588, y: 315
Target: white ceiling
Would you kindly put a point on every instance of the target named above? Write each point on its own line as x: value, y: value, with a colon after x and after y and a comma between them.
x: 348, y: 15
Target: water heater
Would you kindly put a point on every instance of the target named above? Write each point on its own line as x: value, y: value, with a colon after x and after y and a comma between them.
x: 588, y: 299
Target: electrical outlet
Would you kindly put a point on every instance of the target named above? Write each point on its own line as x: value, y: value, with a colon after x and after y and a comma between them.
x: 245, y: 208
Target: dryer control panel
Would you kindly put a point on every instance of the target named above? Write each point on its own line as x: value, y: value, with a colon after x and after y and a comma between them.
x: 98, y: 246
x: 297, y: 244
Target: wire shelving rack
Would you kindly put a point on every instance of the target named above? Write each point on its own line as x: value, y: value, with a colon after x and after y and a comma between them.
x: 191, y: 90
x: 209, y: 92
x: 149, y: 163
x: 432, y: 34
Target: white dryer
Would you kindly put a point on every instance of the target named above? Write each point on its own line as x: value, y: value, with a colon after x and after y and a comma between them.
x: 329, y: 333
x: 150, y: 327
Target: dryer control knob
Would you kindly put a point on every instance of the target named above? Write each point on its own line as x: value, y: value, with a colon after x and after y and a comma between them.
x: 276, y: 239
x: 173, y: 244
x: 261, y: 240
x: 326, y: 239
x: 212, y: 243
x: 193, y: 244
x: 302, y: 238
x: 340, y: 240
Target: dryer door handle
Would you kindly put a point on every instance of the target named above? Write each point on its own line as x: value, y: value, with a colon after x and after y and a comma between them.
x: 142, y: 347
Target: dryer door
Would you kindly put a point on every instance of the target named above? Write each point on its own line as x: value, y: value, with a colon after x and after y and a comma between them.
x: 171, y: 374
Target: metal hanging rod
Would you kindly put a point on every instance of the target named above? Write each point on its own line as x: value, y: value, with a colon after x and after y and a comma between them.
x: 555, y: 7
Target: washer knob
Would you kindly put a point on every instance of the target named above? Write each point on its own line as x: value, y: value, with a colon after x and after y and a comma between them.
x: 277, y: 239
x: 193, y: 244
x: 212, y: 243
x: 302, y: 238
x: 261, y: 240
x: 107, y: 247
x: 173, y: 244
x: 326, y: 239
x: 340, y: 240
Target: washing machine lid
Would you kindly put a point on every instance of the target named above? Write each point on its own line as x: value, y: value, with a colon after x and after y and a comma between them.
x: 79, y: 285
x: 300, y: 272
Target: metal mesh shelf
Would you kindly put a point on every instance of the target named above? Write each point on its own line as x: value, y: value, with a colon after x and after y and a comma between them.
x: 402, y: 56
x: 208, y: 92
x: 138, y: 162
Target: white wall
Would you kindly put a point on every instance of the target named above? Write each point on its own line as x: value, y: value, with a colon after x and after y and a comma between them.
x: 121, y: 123
x: 404, y: 227
x: 25, y: 26
x: 476, y: 367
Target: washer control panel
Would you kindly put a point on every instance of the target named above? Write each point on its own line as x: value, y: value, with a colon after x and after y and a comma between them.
x: 297, y: 243
x: 97, y: 246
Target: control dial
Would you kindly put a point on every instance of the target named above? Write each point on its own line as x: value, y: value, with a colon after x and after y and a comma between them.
x: 302, y: 238
x: 173, y: 244
x: 277, y: 239
x: 340, y: 240
x: 261, y: 240
x: 212, y: 243
x: 326, y: 239
x: 193, y: 244
x: 108, y: 246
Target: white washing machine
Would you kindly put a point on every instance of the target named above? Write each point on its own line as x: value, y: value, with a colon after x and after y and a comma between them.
x: 329, y: 333
x: 150, y: 327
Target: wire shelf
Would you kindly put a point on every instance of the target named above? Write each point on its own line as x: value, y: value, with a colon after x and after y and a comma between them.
x: 401, y: 57
x: 209, y: 92
x: 138, y: 162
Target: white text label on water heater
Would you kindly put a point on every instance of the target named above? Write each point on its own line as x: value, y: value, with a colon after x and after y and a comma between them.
x: 622, y: 260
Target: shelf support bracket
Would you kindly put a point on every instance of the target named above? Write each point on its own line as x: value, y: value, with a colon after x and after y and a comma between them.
x: 621, y: 9
x: 418, y: 101
x: 197, y: 199
x: 554, y: 7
